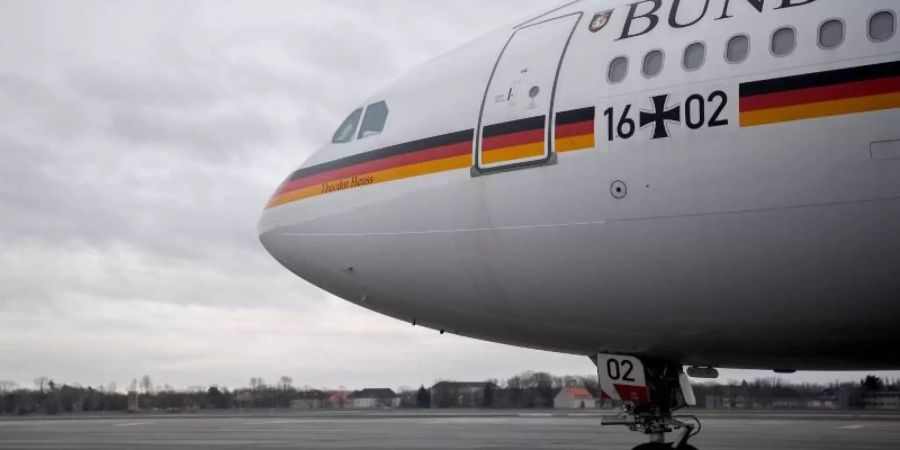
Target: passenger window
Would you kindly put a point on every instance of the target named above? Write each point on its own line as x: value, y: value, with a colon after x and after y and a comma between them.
x: 738, y: 49
x: 347, y: 129
x: 882, y: 26
x: 618, y: 69
x: 374, y: 120
x: 694, y: 55
x: 831, y: 34
x: 653, y: 63
x: 784, y: 41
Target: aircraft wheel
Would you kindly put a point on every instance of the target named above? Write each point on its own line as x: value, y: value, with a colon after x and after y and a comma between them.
x: 657, y: 446
x: 654, y: 446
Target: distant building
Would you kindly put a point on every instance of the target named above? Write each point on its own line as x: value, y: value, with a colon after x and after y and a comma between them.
x: 409, y: 399
x: 339, y: 399
x: 881, y: 400
x: 375, y: 398
x: 453, y: 394
x: 311, y: 400
x: 574, y: 398
x: 727, y: 401
x: 788, y: 403
x: 824, y: 401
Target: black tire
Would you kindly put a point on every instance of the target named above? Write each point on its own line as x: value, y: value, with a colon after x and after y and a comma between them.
x: 653, y: 446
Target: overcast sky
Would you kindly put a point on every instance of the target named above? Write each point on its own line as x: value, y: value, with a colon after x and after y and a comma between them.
x: 139, y: 142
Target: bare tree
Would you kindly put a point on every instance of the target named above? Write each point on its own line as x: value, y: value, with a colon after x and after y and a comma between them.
x: 40, y: 382
x: 146, y: 385
x: 285, y: 382
x: 7, y: 386
x: 133, y: 395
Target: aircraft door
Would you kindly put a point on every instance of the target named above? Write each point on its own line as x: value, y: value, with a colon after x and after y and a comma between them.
x: 514, y: 127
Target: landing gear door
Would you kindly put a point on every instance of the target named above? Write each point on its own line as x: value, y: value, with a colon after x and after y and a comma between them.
x: 622, y: 378
x: 517, y: 111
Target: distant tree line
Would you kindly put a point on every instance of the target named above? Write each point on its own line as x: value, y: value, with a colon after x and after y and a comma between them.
x: 525, y: 390
x: 533, y: 389
x: 774, y: 393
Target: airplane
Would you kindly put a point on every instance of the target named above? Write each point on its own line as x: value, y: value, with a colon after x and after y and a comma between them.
x: 654, y: 184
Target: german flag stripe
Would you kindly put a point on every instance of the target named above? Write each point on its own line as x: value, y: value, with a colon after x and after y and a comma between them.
x: 821, y: 109
x: 574, y: 130
x: 502, y: 142
x: 446, y: 151
x: 823, y: 94
x: 575, y: 116
x: 515, y: 126
x: 819, y: 79
x: 819, y: 94
x: 394, y: 150
x: 381, y: 176
x: 510, y: 141
x: 513, y: 153
x: 438, y: 153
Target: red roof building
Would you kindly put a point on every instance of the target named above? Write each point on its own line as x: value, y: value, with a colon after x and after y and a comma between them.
x: 574, y: 398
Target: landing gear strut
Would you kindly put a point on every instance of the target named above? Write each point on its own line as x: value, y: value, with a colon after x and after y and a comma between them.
x: 652, y: 391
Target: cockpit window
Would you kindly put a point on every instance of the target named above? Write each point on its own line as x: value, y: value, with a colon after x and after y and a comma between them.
x: 374, y: 120
x: 347, y: 129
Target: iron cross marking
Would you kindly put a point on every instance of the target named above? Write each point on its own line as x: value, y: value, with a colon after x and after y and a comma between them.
x: 660, y: 117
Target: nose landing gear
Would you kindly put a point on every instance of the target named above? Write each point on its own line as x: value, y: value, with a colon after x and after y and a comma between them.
x: 656, y: 428
x: 652, y: 391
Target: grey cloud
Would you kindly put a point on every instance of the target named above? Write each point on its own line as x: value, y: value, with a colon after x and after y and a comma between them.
x: 147, y: 85
x: 215, y: 136
x: 36, y: 107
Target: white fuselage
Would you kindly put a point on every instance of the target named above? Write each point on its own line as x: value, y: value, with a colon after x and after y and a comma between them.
x: 753, y: 221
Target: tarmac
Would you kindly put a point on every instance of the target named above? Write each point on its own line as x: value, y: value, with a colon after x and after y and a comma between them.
x: 438, y: 430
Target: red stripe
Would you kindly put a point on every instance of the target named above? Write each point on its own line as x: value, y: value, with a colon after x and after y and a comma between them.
x: 637, y: 394
x: 575, y: 129
x: 430, y: 154
x: 821, y: 94
x: 513, y: 139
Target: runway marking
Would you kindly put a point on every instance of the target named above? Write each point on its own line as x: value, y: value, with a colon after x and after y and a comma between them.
x: 132, y: 424
x: 274, y: 422
x: 851, y: 427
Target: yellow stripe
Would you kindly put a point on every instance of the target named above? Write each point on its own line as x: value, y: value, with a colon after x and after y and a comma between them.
x: 821, y: 109
x: 573, y: 143
x: 291, y: 196
x: 382, y: 176
x: 513, y: 153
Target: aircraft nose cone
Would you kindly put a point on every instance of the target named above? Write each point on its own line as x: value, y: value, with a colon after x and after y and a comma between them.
x: 273, y: 219
x: 284, y: 228
x: 271, y: 242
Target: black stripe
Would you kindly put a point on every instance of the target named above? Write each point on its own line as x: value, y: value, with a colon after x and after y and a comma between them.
x: 516, y: 126
x: 386, y: 152
x: 575, y: 116
x: 820, y: 79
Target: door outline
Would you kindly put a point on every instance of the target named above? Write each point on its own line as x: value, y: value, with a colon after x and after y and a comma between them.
x: 477, y: 170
